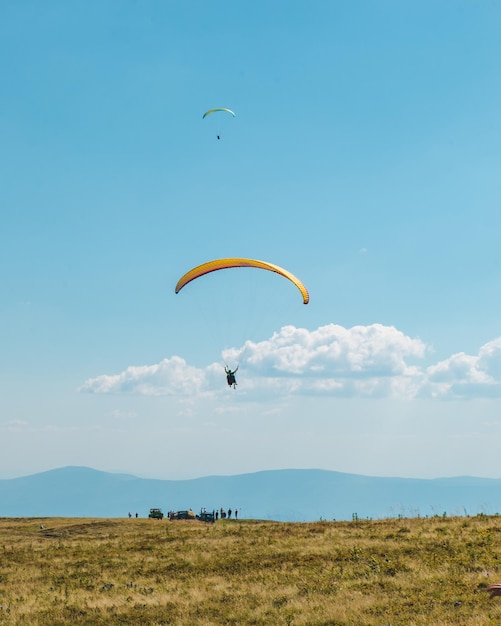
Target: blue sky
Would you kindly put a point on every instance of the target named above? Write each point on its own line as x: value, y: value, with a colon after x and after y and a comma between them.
x: 364, y: 157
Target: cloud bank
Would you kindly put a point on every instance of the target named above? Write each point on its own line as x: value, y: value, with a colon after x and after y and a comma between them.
x: 464, y: 375
x: 362, y: 361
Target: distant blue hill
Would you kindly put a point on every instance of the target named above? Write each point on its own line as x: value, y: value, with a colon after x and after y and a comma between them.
x: 285, y: 495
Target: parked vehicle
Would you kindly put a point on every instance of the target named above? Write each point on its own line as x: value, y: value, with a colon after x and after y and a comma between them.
x: 183, y: 515
x: 156, y: 514
x: 204, y: 516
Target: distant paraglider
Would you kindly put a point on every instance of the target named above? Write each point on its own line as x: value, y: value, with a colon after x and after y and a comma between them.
x: 218, y: 110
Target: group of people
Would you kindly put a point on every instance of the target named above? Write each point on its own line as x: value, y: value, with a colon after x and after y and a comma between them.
x: 225, y: 514
x: 218, y: 514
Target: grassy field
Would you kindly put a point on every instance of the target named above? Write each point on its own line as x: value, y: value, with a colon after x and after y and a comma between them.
x: 401, y: 572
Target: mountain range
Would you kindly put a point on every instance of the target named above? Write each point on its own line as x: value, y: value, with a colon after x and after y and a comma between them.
x: 282, y: 495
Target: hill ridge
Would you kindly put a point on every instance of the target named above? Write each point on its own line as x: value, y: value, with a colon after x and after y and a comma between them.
x: 287, y: 494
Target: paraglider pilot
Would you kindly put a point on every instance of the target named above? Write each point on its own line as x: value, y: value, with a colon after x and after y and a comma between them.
x: 230, y: 377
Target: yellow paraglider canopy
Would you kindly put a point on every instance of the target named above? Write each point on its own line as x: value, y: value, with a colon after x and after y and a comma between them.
x: 221, y: 264
x: 222, y: 109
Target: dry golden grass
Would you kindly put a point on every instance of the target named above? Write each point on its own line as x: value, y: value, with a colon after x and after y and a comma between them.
x: 403, y: 572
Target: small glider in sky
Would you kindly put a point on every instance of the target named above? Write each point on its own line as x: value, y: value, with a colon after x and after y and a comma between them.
x: 220, y: 109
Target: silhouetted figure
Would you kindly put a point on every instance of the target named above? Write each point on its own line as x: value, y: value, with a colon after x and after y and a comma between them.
x: 230, y: 377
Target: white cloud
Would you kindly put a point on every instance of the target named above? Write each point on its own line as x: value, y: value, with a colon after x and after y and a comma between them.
x: 119, y: 414
x: 14, y: 424
x: 489, y: 358
x: 463, y: 375
x: 332, y: 350
x: 362, y: 361
x: 169, y: 377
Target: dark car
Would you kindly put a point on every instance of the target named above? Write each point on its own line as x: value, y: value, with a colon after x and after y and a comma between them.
x: 203, y: 516
x: 183, y: 515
